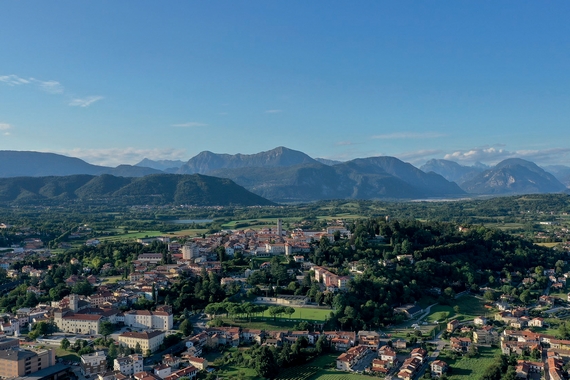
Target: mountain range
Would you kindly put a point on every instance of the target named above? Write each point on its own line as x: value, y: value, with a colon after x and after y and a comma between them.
x: 286, y: 175
x: 158, y: 189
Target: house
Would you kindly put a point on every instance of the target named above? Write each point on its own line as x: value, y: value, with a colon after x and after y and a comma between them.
x: 349, y: 359
x: 93, y: 363
x: 199, y: 363
x: 438, y: 368
x: 129, y: 365
x: 460, y: 344
x: 162, y: 370
x: 380, y: 366
x: 485, y: 336
x: 480, y: 321
x: 452, y: 325
x: 189, y: 372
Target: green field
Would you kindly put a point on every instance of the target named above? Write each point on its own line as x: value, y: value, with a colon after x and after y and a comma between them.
x: 471, y: 368
x: 285, y: 322
x: 469, y: 308
x: 321, y: 368
x: 67, y: 355
x: 132, y: 235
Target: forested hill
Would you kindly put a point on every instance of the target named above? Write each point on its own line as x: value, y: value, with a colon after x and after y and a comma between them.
x: 156, y: 189
x: 443, y: 261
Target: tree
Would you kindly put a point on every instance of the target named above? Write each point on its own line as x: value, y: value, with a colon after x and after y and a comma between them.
x: 265, y: 365
x: 186, y: 328
x: 64, y: 344
x: 106, y: 328
x: 489, y: 295
x: 138, y: 348
x: 113, y: 352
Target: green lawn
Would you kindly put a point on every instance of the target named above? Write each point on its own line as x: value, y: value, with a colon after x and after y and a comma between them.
x: 471, y: 368
x: 286, y: 322
x: 320, y: 368
x: 132, y: 235
x: 111, y: 279
x: 469, y: 308
x: 67, y: 355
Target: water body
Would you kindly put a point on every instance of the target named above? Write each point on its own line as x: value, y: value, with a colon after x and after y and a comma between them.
x: 190, y: 221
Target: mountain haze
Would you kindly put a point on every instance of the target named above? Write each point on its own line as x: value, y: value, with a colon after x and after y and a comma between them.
x: 370, y: 178
x: 40, y: 164
x: 513, y: 176
x: 158, y: 189
x: 206, y: 162
x: 451, y: 170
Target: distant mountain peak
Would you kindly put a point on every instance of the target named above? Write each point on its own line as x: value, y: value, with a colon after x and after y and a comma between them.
x: 206, y: 162
x: 514, y: 176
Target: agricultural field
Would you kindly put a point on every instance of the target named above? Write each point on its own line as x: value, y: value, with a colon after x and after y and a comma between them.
x: 321, y: 368
x: 470, y: 368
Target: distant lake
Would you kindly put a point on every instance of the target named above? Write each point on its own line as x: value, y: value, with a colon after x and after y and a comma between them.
x: 190, y: 221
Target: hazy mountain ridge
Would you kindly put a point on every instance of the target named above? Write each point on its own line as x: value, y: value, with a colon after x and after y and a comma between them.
x: 367, y: 178
x: 513, y: 176
x: 40, y: 164
x: 163, y: 165
x: 561, y: 172
x: 283, y: 174
x: 152, y: 189
x: 206, y: 162
x: 451, y: 170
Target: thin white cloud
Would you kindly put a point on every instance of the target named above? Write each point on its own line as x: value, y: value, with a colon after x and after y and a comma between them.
x: 190, y: 124
x: 493, y: 155
x: 408, y: 135
x: 117, y: 156
x: 344, y: 143
x: 13, y: 80
x: 5, y: 128
x: 49, y: 86
x: 273, y: 111
x: 84, y: 102
x: 419, y: 156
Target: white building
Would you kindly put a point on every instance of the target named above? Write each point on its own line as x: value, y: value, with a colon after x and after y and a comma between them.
x: 160, y: 319
x: 129, y: 365
x: 93, y: 363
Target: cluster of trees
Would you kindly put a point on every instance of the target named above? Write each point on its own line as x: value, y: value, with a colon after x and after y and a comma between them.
x: 443, y: 260
x: 267, y: 360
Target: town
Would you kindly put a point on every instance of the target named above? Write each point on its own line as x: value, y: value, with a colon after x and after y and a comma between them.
x: 120, y: 320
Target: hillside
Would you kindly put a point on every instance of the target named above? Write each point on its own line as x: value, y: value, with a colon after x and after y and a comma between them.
x: 451, y: 170
x: 373, y: 178
x: 513, y: 176
x: 207, y: 162
x: 152, y: 189
x: 40, y: 164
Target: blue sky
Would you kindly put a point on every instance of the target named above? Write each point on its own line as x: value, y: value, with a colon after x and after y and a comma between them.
x: 116, y: 81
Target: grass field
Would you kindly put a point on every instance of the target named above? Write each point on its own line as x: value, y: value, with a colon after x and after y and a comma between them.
x: 321, y: 368
x: 131, y: 235
x: 67, y: 355
x: 269, y: 323
x: 469, y: 308
x: 548, y: 245
x: 111, y: 279
x: 471, y: 368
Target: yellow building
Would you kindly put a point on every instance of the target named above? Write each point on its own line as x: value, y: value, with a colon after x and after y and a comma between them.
x: 148, y: 340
